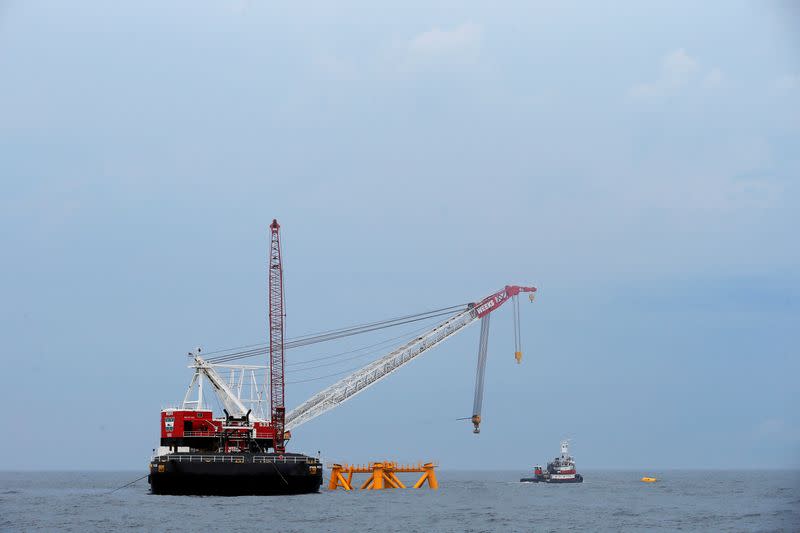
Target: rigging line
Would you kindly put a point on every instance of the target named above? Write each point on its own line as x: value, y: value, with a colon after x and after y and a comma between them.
x: 333, y: 374
x: 407, y: 336
x: 358, y: 326
x: 238, y: 355
x: 383, y: 325
x: 248, y: 355
x: 295, y: 340
x: 235, y: 348
x: 375, y: 345
x: 323, y: 377
x: 424, y: 327
x: 333, y: 336
x: 332, y: 363
x: 349, y: 332
x: 323, y: 338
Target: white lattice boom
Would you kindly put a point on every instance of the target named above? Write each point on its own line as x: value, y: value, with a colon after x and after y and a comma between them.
x: 370, y: 374
x: 348, y: 387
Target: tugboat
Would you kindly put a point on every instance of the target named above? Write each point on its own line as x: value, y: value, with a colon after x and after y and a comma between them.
x: 560, y: 470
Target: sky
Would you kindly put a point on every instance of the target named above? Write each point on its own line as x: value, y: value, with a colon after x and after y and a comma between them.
x: 638, y: 163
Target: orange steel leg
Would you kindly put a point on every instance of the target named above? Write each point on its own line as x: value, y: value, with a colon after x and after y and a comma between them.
x: 338, y: 480
x: 394, y: 480
x: 333, y: 482
x: 388, y: 483
x: 429, y: 476
x: 377, y: 476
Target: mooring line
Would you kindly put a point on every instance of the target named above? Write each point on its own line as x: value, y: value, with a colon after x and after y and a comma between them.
x: 129, y: 484
x: 279, y: 472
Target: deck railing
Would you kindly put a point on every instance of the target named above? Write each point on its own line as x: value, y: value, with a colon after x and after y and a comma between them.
x: 230, y: 458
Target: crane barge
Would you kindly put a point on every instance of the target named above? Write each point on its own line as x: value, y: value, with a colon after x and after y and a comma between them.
x: 244, y: 451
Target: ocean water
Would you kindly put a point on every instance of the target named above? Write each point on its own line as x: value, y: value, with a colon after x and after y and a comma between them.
x: 466, y: 501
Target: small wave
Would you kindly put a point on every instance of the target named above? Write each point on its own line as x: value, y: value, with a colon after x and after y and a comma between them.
x: 10, y: 492
x: 623, y: 512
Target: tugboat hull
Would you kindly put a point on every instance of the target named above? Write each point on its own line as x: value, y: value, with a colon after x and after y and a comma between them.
x: 234, y: 474
x: 577, y: 479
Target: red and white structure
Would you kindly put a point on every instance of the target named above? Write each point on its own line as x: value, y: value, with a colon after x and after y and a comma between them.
x: 255, y: 423
x: 559, y: 470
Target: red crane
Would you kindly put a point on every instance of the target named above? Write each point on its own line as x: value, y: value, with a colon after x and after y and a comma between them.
x: 276, y: 314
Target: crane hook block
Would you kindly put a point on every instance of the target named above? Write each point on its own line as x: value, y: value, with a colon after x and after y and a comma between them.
x: 518, y: 357
x: 476, y: 421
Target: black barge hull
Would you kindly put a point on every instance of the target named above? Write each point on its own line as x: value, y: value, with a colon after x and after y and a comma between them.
x: 234, y: 474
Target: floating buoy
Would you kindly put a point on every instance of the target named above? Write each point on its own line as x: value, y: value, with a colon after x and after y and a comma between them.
x: 649, y: 479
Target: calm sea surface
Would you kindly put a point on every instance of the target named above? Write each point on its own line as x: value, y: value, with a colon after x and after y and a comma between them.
x: 466, y: 501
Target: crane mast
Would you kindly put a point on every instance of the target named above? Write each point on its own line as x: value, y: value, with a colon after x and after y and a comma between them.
x: 276, y: 331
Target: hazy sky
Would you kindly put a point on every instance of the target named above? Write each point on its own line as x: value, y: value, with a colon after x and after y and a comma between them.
x: 639, y: 162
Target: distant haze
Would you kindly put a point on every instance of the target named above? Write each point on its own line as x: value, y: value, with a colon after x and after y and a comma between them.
x: 638, y: 161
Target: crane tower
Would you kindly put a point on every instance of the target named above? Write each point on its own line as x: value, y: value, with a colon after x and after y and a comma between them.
x: 276, y: 330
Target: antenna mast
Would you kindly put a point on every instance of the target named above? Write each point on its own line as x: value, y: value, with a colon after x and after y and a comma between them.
x: 276, y: 314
